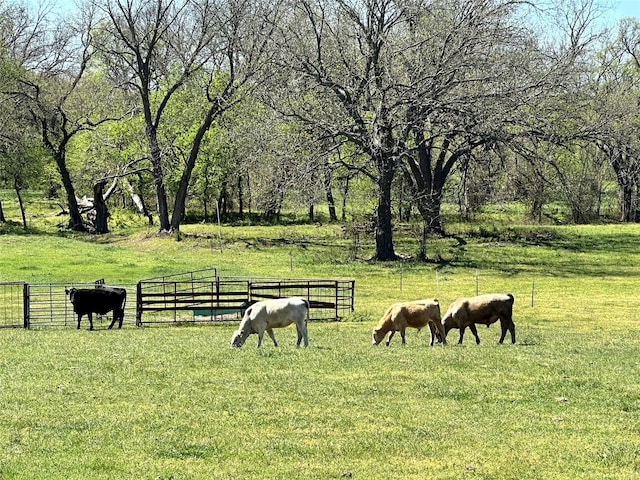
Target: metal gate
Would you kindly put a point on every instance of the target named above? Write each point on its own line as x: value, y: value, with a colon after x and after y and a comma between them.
x: 48, y: 305
x: 13, y: 304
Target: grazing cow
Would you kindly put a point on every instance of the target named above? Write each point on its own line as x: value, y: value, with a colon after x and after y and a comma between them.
x: 99, y: 300
x: 269, y: 314
x: 415, y: 314
x: 483, y: 309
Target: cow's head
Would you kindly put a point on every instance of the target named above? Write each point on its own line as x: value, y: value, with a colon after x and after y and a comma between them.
x: 448, y: 323
x: 71, y: 292
x: 239, y: 337
x: 439, y: 332
x: 377, y: 335
x: 244, y: 330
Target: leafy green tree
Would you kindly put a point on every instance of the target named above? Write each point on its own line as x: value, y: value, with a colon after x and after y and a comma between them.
x: 157, y: 48
x: 21, y: 164
x: 49, y: 86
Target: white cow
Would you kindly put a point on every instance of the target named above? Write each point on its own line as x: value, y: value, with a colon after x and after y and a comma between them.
x: 269, y: 314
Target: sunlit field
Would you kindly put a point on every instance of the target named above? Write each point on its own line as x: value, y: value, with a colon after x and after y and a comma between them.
x: 176, y: 402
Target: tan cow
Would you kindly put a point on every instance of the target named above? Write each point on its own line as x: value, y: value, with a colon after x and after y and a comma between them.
x: 415, y: 314
x: 483, y: 309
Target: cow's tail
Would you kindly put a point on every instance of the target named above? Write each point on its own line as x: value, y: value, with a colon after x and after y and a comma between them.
x: 308, y: 305
x: 124, y: 300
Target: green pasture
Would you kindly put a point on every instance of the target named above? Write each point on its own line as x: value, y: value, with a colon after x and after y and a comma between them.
x: 177, y: 403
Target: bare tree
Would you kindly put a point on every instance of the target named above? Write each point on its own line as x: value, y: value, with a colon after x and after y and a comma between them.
x: 344, y: 61
x: 615, y: 97
x: 422, y: 84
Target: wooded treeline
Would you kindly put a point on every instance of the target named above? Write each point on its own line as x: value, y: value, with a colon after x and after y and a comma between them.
x: 237, y: 105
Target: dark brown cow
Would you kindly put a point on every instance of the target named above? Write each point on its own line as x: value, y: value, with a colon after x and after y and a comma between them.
x: 483, y: 309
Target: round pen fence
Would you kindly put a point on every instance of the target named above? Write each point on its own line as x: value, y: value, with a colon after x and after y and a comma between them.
x: 199, y: 296
x: 206, y: 296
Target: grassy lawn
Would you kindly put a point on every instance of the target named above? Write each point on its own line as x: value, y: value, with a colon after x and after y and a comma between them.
x: 163, y: 402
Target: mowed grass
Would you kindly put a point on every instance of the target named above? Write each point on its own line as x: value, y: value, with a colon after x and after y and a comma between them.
x: 176, y: 402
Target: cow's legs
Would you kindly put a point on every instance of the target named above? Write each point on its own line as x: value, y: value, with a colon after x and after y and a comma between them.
x: 90, y: 315
x: 305, y: 334
x: 117, y: 316
x: 508, y: 326
x: 472, y: 327
x: 436, y: 334
x: 79, y: 318
x: 461, y: 335
x: 302, y: 334
x: 402, y: 334
x: 273, y: 337
x: 391, y: 334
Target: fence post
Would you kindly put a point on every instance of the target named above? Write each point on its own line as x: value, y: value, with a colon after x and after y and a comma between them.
x: 353, y: 294
x: 533, y: 286
x: 477, y: 283
x: 139, y: 304
x: 336, y: 300
x: 25, y: 305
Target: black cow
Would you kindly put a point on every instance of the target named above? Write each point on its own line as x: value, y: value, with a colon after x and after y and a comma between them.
x: 99, y: 300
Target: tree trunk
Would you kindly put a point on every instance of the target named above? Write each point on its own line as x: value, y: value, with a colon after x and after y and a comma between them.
x: 158, y: 180
x: 626, y: 201
x: 625, y: 186
x: 138, y: 200
x: 21, y: 203
x: 240, y: 198
x: 345, y: 195
x: 635, y: 206
x: 384, y: 232
x: 223, y: 200
x: 427, y: 175
x: 101, y: 223
x: 183, y: 188
x: 75, y: 219
x: 328, y: 182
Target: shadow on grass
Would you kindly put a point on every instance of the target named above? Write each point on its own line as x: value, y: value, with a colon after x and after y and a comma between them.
x: 546, y: 251
x: 15, y: 228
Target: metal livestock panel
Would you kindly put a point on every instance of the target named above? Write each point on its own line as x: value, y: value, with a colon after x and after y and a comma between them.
x: 48, y: 305
x: 177, y: 301
x: 203, y: 295
x: 12, y: 304
x: 328, y: 299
